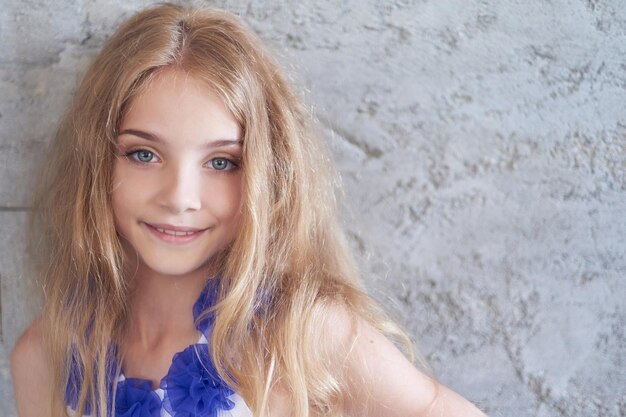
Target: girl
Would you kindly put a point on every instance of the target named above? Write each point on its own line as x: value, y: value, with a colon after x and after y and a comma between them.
x: 190, y: 254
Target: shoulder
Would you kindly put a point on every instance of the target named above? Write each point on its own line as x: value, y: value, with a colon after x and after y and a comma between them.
x: 29, y: 349
x: 378, y: 378
x: 31, y: 372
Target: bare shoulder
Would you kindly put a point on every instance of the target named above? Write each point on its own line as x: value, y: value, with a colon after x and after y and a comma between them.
x: 31, y: 372
x: 379, y: 379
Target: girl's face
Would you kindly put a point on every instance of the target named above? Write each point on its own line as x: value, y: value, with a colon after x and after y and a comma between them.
x: 177, y: 179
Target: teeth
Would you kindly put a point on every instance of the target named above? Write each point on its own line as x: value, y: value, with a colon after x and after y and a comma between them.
x: 174, y: 232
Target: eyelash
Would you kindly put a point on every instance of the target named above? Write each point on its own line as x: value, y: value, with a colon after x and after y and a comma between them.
x: 132, y: 156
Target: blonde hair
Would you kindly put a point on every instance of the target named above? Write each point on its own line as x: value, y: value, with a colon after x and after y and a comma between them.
x: 287, y: 266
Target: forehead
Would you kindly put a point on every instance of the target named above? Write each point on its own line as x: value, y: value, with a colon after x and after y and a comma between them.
x: 170, y: 82
x: 177, y: 104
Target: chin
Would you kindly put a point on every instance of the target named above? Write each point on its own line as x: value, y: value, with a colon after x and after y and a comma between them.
x: 177, y: 266
x: 176, y: 262
x: 173, y: 270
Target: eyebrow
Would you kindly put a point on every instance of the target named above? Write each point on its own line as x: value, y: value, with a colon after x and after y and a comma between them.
x: 155, y: 138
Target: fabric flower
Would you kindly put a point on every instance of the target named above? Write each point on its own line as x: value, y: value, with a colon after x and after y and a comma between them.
x: 74, y: 382
x: 75, y: 379
x: 135, y: 398
x: 193, y: 387
x: 207, y: 299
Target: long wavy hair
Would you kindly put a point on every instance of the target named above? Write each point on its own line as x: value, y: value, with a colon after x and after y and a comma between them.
x: 288, y: 264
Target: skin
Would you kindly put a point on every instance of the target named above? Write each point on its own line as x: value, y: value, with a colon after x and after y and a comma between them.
x: 178, y: 153
x: 181, y: 147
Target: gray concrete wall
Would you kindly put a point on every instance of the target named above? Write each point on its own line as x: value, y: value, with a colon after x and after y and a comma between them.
x: 482, y: 145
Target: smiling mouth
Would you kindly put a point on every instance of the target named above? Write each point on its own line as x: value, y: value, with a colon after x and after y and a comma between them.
x: 178, y: 235
x: 174, y: 232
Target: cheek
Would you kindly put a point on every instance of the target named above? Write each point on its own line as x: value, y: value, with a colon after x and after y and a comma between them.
x: 225, y: 198
x: 124, y: 196
x: 118, y: 196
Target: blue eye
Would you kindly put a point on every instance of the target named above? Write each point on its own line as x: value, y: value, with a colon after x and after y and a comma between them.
x: 142, y: 155
x: 222, y: 164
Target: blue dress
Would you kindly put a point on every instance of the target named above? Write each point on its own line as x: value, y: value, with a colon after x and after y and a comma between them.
x: 191, y: 388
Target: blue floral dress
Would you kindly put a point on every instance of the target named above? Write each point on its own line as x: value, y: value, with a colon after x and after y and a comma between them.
x: 191, y: 388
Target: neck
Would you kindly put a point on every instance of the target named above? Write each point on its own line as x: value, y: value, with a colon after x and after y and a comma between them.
x: 161, y: 306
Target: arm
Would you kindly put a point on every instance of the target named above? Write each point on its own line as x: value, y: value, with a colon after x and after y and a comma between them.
x: 380, y: 381
x: 31, y: 373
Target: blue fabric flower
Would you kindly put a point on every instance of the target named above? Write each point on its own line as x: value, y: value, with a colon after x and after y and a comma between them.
x: 75, y: 379
x: 135, y: 398
x: 74, y: 382
x: 193, y: 387
x: 207, y: 299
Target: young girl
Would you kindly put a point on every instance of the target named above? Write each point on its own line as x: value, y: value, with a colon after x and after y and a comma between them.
x: 192, y: 263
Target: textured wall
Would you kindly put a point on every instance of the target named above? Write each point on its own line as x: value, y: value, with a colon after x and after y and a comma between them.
x: 482, y: 146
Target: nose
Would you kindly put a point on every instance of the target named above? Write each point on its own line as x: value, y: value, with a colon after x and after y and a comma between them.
x: 180, y: 190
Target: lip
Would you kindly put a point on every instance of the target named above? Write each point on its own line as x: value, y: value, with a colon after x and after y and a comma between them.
x: 175, y: 228
x: 192, y: 233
